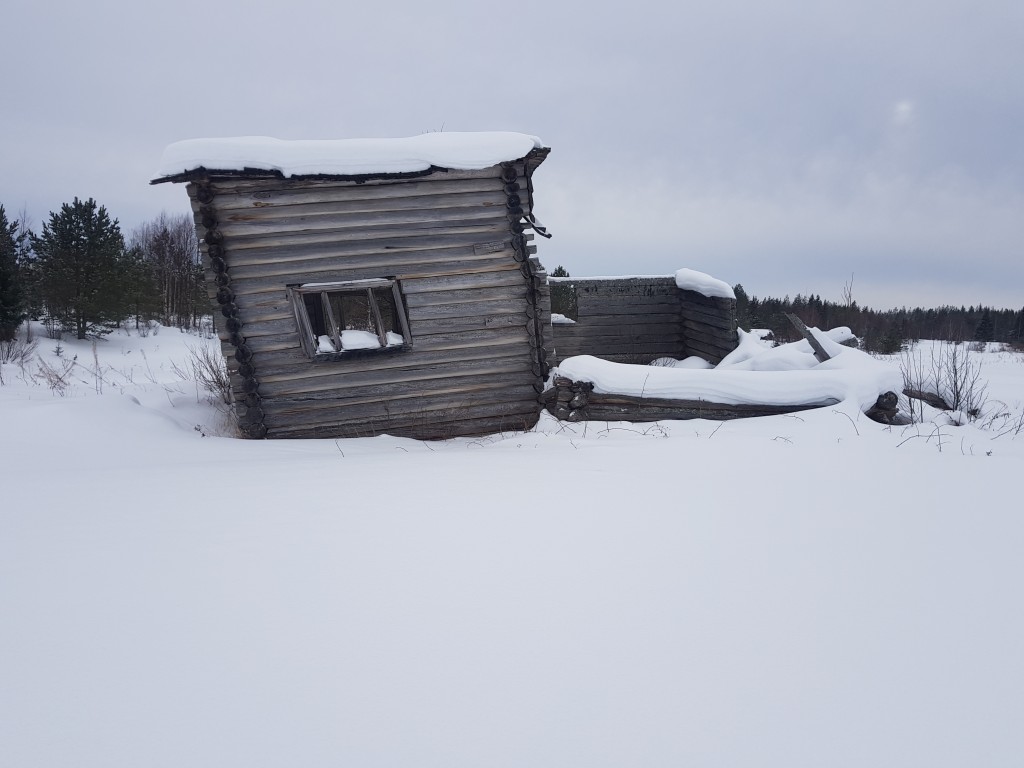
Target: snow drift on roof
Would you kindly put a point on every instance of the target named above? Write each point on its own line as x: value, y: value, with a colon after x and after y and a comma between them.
x: 348, y: 157
x: 692, y: 280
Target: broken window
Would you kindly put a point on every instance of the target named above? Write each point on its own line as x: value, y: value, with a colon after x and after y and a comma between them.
x: 338, y: 319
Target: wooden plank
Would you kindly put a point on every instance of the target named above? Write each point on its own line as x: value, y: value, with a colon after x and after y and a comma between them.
x: 468, y: 309
x: 425, y: 327
x: 484, y: 269
x: 723, y: 320
x: 629, y: 321
x: 362, y: 225
x: 468, y: 405
x: 429, y: 430
x: 284, y: 199
x: 248, y: 249
x: 492, y: 337
x: 709, y: 333
x: 295, y: 383
x: 636, y: 311
x: 509, y: 277
x: 457, y: 389
x: 444, y: 179
x: 516, y: 292
x: 314, y: 265
x: 294, y: 364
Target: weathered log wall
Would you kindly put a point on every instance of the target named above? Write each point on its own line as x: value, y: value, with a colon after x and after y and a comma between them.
x: 475, y: 296
x: 639, y: 319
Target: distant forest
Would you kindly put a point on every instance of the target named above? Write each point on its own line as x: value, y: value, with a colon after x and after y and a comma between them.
x: 880, y: 331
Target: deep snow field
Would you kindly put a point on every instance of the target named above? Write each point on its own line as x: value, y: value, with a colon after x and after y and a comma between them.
x: 809, y: 590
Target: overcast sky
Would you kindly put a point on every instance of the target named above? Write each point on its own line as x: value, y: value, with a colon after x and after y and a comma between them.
x: 786, y: 146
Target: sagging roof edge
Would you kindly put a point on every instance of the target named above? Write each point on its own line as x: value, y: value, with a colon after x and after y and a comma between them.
x: 532, y: 159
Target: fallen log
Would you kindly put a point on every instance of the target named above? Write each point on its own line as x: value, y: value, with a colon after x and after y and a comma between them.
x: 933, y: 399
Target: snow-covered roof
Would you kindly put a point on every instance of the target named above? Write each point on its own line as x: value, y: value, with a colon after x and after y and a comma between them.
x: 347, y: 157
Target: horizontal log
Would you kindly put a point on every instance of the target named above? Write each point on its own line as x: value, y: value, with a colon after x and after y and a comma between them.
x: 723, y: 321
x: 428, y: 430
x: 362, y: 226
x: 466, y: 406
x: 468, y: 309
x: 339, y: 264
x: 262, y: 248
x: 294, y: 364
x: 568, y: 333
x: 491, y: 337
x: 637, y: 320
x: 283, y: 384
x: 626, y: 310
x: 445, y: 181
x: 515, y: 293
x: 709, y: 334
x: 484, y: 268
x: 425, y: 327
x: 287, y: 201
x: 716, y: 303
x: 712, y: 354
x: 461, y: 281
x: 456, y: 386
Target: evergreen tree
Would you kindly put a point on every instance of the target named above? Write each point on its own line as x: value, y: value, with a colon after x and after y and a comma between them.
x: 81, y: 269
x: 12, y: 290
x: 986, y: 329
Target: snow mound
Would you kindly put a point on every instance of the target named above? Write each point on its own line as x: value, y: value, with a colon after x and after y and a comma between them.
x: 692, y: 280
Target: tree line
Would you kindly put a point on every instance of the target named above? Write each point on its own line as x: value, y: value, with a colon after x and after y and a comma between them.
x: 79, y: 274
x: 880, y: 331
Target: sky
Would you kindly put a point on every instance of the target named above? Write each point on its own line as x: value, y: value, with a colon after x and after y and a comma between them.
x: 792, y: 147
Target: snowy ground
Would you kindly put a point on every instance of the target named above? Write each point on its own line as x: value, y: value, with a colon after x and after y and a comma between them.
x: 813, y: 590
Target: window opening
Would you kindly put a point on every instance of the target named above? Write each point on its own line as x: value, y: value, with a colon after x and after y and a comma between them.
x: 336, y: 319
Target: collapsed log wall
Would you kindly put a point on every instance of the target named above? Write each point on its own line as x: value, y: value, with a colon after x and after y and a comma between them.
x: 639, y: 319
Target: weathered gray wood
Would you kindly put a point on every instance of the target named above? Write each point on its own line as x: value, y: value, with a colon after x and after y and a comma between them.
x: 709, y: 334
x: 934, y: 400
x: 469, y: 405
x: 711, y: 353
x: 380, y: 224
x: 283, y: 383
x: 462, y: 281
x: 295, y: 364
x: 339, y: 271
x: 724, y: 321
x: 320, y: 201
x: 467, y: 309
x: 313, y: 266
x: 516, y: 292
x: 252, y: 249
x: 426, y: 430
x: 424, y: 327
x: 644, y: 320
x: 443, y: 182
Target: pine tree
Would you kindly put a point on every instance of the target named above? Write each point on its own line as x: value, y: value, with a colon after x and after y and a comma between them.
x: 12, y: 290
x: 81, y: 269
x: 986, y: 329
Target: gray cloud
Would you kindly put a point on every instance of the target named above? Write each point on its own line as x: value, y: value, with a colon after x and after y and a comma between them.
x: 783, y: 145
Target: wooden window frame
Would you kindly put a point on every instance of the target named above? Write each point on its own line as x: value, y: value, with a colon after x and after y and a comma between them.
x: 297, y: 295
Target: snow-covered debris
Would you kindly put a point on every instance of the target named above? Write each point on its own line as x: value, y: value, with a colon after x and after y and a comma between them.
x: 348, y: 157
x: 784, y: 375
x: 692, y: 280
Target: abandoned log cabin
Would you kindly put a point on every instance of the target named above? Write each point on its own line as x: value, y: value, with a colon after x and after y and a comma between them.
x: 372, y: 286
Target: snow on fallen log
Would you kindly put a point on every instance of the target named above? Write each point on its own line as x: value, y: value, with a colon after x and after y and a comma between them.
x: 754, y: 382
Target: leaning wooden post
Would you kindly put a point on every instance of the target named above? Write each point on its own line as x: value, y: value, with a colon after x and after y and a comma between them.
x: 819, y: 351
